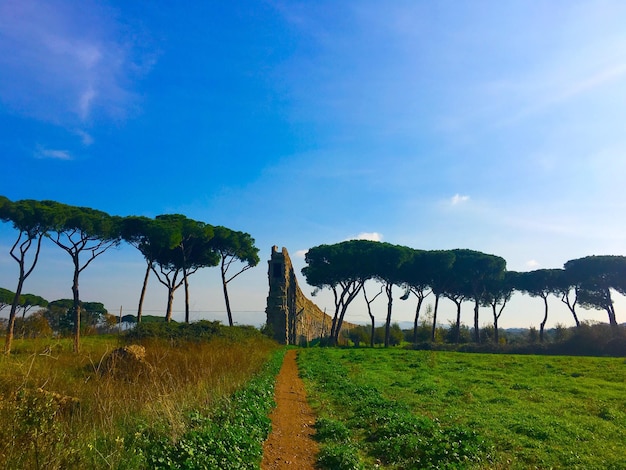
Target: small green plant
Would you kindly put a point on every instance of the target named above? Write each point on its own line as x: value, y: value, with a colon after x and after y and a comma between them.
x: 331, y: 430
x: 339, y: 456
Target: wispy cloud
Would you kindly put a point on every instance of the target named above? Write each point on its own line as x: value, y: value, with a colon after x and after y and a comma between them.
x: 301, y: 253
x: 85, y: 137
x: 53, y: 154
x: 557, y: 89
x: 458, y: 199
x: 65, y: 62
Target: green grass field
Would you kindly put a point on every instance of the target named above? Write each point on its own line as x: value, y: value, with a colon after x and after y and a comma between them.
x: 425, y: 409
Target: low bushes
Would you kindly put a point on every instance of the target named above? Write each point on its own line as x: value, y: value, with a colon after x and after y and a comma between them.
x: 199, y: 331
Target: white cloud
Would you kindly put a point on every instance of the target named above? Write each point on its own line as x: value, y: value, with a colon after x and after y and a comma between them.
x: 301, y: 253
x: 532, y: 264
x: 373, y: 236
x: 53, y: 154
x: 458, y: 199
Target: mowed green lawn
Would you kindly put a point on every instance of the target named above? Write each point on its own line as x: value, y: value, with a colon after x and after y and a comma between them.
x: 519, y: 411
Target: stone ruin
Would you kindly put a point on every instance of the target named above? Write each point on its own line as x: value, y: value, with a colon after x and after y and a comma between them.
x: 291, y: 317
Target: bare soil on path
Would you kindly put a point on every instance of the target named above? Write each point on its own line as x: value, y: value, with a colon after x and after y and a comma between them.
x: 290, y: 445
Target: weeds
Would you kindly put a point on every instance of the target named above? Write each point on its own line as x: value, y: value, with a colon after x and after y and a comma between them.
x: 62, y: 410
x: 231, y: 437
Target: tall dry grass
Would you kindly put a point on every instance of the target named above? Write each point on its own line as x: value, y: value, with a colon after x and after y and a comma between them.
x: 62, y: 410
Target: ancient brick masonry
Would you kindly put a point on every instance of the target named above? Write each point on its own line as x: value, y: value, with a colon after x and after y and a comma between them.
x: 292, y: 318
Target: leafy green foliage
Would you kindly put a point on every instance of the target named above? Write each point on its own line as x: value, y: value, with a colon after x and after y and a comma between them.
x: 202, y: 330
x: 339, y: 457
x: 327, y: 429
x: 60, y: 315
x: 6, y: 297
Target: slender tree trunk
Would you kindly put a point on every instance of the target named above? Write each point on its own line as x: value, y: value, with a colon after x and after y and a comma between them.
x: 333, y: 327
x: 338, y: 326
x: 143, y: 292
x: 369, y: 312
x: 186, y: 295
x: 495, y: 324
x: 476, y: 327
x: 226, y: 299
x: 388, y: 290
x: 24, y: 247
x: 76, y: 307
x: 571, y: 305
x: 344, y: 308
x: 417, y: 317
x: 170, y: 302
x: 13, y: 312
x: 432, y: 334
x: 545, y: 319
x: 611, y: 311
x: 343, y: 302
x: 458, y: 322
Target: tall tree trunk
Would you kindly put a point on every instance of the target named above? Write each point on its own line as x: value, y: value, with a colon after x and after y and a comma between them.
x: 458, y: 322
x: 333, y: 327
x: 571, y: 305
x: 495, y: 324
x: 545, y: 319
x: 186, y: 295
x: 343, y: 301
x: 344, y: 308
x: 611, y: 311
x: 476, y: 327
x: 76, y: 307
x: 417, y: 317
x: 432, y: 333
x: 143, y: 292
x: 226, y: 298
x: 369, y: 312
x: 170, y: 302
x: 11, y: 324
x: 388, y: 290
x: 24, y: 247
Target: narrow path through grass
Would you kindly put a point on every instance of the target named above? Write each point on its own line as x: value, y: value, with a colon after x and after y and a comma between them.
x: 290, y: 444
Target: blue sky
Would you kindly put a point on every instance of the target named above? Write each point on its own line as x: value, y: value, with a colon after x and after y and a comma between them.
x: 498, y: 126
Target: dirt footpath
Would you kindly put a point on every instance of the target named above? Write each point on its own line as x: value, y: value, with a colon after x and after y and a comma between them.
x: 290, y: 444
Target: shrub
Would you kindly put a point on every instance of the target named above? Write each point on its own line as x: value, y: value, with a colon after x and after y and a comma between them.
x: 339, y: 457
x: 202, y: 330
x: 330, y: 430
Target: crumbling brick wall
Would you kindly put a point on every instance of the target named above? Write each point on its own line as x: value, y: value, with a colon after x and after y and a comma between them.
x: 292, y: 317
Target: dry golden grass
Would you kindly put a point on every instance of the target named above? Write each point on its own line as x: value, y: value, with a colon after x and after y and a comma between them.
x: 37, y: 430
